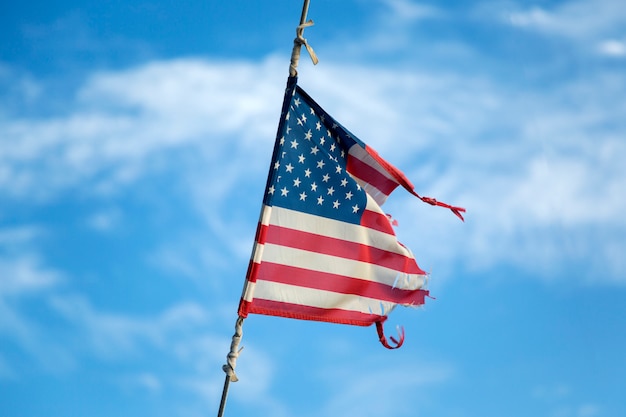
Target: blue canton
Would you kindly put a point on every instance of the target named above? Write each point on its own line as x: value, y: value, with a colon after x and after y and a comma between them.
x: 308, y: 171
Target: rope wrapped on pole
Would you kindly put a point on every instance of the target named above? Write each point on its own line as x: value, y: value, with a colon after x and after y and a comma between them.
x: 300, y: 40
x: 231, y: 363
x: 231, y: 358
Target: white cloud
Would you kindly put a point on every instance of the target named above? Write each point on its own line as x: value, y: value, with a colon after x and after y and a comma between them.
x: 588, y: 410
x: 533, y: 167
x: 123, y: 119
x: 405, y: 10
x: 563, y: 403
x: 24, y: 277
x: 120, y: 335
x: 181, y: 334
x: 581, y: 20
x: 105, y: 220
x: 613, y: 48
x: 399, y: 390
x: 25, y: 274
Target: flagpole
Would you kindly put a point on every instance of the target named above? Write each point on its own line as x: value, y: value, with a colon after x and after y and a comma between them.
x: 299, y: 41
x: 229, y: 367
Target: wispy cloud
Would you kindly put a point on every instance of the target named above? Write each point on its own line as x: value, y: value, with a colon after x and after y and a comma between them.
x: 405, y: 10
x: 596, y: 24
x: 560, y: 401
x: 122, y: 119
x: 120, y: 335
x: 401, y: 390
x: 613, y: 47
x: 576, y: 19
x: 25, y: 276
x: 533, y: 167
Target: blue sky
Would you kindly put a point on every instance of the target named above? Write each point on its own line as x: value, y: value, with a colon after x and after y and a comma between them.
x: 135, y: 139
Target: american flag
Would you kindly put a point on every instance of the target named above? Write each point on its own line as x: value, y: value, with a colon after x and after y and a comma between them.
x: 324, y: 249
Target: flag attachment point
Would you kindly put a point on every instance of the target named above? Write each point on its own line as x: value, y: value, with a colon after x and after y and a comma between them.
x: 299, y: 41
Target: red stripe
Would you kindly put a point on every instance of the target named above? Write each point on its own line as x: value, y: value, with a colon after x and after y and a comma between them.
x: 297, y: 311
x: 244, y: 308
x: 260, y: 233
x: 341, y: 248
x: 395, y: 172
x: 338, y: 284
x: 377, y: 221
x: 370, y: 175
x: 253, y: 271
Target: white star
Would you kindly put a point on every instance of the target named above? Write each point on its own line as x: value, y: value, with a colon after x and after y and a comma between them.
x: 332, y: 147
x: 314, y: 150
x: 344, y: 182
x: 297, y: 102
x: 312, y: 111
x: 288, y: 129
x: 307, y: 173
x: 338, y: 169
x: 294, y: 144
x: 322, y: 140
x: 282, y: 140
x: 271, y: 190
x: 314, y: 187
x: 308, y: 135
x: 331, y: 190
x: 343, y: 153
x: 276, y: 165
x: 284, y: 191
x: 326, y: 177
x: 318, y: 125
x: 302, y: 196
x: 296, y: 182
x: 320, y: 200
x: 289, y: 167
x: 303, y: 118
x: 287, y: 116
x: 320, y: 164
x: 349, y: 195
x: 355, y: 208
x: 301, y: 158
x: 336, y: 204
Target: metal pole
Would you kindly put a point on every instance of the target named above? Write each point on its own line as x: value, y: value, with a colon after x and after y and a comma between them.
x: 295, y: 53
x: 220, y: 413
x: 229, y: 368
x: 305, y: 11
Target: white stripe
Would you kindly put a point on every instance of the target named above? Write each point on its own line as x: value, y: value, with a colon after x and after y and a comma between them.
x: 248, y: 292
x: 323, y: 226
x: 257, y: 254
x: 313, y: 261
x: 286, y: 293
x: 373, y: 192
